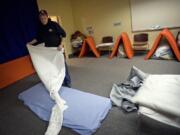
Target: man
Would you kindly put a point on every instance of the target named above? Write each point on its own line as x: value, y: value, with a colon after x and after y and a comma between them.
x: 51, y: 33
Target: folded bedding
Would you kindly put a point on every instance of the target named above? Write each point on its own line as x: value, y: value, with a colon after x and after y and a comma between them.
x: 157, y: 96
x: 164, y: 52
x: 160, y: 116
x: 121, y: 52
x: 121, y: 94
x: 85, y: 111
x: 160, y: 93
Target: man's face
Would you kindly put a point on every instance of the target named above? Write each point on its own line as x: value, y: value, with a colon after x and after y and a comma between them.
x: 43, y: 19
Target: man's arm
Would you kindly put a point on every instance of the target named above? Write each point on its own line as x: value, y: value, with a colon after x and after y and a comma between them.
x: 33, y: 41
x: 60, y: 31
x: 60, y: 47
x: 37, y: 39
x: 62, y: 34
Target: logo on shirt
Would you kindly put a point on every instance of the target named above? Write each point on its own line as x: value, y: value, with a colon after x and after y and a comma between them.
x: 50, y: 30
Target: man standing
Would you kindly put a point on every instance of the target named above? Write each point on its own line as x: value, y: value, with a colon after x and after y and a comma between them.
x: 51, y: 33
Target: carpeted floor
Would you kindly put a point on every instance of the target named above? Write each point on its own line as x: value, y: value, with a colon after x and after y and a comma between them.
x: 91, y: 75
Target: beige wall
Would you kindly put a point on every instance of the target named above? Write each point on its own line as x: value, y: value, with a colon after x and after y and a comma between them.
x: 63, y: 9
x: 101, y: 14
x: 149, y: 14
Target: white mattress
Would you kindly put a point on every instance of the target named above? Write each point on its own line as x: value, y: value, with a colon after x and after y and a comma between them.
x: 164, y: 118
x: 158, y: 98
x: 160, y: 93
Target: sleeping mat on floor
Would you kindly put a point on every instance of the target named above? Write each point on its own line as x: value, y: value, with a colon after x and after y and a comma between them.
x: 85, y: 111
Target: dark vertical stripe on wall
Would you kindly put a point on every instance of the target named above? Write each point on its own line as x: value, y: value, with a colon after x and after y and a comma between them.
x: 18, y: 25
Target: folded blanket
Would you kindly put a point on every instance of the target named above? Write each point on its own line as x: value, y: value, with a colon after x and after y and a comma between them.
x: 164, y: 52
x: 160, y: 93
x: 160, y: 116
x: 121, y: 94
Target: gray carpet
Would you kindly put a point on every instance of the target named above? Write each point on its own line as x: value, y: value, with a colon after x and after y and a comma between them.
x: 95, y: 76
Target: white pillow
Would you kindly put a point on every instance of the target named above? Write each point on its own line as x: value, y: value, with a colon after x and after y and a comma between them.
x: 160, y: 93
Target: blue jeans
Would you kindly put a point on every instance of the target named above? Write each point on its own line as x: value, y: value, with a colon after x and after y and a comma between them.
x: 67, y: 79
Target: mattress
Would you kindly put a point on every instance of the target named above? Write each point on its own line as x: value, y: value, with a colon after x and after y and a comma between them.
x: 158, y: 98
x: 85, y: 111
x: 164, y: 118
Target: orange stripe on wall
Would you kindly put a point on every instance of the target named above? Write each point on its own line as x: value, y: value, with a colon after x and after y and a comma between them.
x: 15, y: 70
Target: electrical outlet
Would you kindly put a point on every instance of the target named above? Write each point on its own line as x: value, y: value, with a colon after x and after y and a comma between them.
x: 117, y: 24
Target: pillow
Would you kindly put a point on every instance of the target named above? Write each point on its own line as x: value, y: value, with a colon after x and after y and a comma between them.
x: 160, y: 93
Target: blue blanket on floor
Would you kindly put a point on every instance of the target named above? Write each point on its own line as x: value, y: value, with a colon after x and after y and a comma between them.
x: 85, y: 111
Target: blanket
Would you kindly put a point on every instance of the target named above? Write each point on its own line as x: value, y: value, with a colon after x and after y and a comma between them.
x: 160, y: 93
x: 49, y: 65
x: 164, y: 52
x: 121, y: 94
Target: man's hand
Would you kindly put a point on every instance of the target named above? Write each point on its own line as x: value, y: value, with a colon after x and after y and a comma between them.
x: 60, y: 47
x: 32, y: 42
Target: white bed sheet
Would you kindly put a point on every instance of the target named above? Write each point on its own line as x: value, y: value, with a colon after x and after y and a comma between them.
x: 163, y: 118
x: 50, y: 67
x: 160, y: 93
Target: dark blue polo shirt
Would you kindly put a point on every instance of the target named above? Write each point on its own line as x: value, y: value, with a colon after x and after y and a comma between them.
x: 51, y: 34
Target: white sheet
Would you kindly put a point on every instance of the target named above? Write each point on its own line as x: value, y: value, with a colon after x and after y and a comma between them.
x: 160, y: 93
x: 161, y: 50
x: 161, y: 117
x: 49, y: 65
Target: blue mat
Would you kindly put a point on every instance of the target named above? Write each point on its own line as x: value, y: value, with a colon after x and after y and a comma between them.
x: 85, y: 111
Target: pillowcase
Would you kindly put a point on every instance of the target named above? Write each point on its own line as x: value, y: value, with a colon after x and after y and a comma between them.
x: 160, y: 93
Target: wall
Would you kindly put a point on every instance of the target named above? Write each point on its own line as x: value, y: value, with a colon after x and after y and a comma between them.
x: 101, y: 14
x: 63, y: 9
x: 164, y: 14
